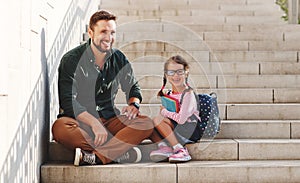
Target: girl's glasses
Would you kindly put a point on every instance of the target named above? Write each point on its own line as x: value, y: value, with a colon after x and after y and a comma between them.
x: 172, y: 72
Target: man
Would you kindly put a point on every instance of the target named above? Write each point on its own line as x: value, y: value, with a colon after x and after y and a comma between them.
x: 88, y: 81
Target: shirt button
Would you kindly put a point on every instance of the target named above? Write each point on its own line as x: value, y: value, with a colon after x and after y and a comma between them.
x: 103, y: 79
x: 91, y: 60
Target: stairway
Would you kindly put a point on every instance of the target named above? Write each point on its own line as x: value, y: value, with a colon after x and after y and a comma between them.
x: 240, y: 49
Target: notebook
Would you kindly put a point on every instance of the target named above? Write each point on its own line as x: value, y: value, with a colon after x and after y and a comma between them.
x: 170, y: 103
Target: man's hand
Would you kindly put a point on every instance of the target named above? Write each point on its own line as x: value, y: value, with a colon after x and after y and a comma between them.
x: 100, y: 134
x: 97, y: 127
x: 130, y: 111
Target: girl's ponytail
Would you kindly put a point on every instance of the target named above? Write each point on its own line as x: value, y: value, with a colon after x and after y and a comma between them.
x: 161, y: 93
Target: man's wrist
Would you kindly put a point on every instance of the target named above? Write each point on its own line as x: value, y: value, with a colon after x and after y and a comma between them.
x: 135, y: 104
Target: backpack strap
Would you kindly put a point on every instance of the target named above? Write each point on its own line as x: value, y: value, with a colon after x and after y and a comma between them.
x: 183, y: 93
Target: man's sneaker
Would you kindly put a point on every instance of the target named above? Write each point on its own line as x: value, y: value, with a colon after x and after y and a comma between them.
x: 162, y: 154
x: 84, y: 158
x: 181, y: 155
x: 134, y: 155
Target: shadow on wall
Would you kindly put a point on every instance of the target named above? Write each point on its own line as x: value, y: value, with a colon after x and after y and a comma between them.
x: 29, y: 146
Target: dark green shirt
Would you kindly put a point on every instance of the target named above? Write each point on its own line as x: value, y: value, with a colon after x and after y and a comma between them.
x: 83, y: 86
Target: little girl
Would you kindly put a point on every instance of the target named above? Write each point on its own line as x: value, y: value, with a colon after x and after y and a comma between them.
x: 178, y: 128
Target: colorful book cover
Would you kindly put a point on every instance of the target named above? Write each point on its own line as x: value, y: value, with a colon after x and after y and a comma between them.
x: 170, y: 103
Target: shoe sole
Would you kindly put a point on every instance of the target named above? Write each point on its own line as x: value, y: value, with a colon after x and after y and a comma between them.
x: 138, y: 154
x: 180, y: 160
x: 77, y: 156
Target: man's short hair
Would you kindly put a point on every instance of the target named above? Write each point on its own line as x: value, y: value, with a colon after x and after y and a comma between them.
x: 100, y: 15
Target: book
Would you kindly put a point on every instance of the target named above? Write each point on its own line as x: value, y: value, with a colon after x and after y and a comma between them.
x: 170, y: 103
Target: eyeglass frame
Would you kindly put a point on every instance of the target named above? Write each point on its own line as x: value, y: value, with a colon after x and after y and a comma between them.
x: 178, y: 72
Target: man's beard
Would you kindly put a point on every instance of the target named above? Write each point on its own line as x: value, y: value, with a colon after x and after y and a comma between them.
x: 100, y: 49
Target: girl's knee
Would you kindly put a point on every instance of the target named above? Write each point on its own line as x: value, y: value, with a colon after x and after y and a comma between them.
x: 157, y: 120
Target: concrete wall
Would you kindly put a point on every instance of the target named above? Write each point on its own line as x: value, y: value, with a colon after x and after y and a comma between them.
x: 34, y: 35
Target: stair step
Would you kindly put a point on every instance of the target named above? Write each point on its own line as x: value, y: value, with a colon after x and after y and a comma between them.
x: 194, y: 12
x: 267, y: 27
x: 200, y: 45
x: 217, y: 149
x: 284, y: 57
x: 156, y: 53
x: 259, y: 81
x: 255, y: 56
x: 179, y: 33
x: 227, y: 81
x: 275, y: 171
x: 259, y: 129
x: 243, y: 36
x: 231, y: 96
x: 220, y: 68
x: 202, y: 20
x: 242, y: 28
x: 242, y: 111
x: 213, y: 68
x: 239, y: 171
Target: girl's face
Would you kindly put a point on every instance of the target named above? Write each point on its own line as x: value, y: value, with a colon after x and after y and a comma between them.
x: 176, y: 75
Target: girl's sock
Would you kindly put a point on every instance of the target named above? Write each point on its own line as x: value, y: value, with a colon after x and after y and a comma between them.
x: 177, y: 146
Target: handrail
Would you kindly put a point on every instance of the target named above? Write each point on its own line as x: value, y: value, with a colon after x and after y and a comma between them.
x: 29, y: 146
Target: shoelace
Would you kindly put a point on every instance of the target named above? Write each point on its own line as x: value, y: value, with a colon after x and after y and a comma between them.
x: 180, y: 151
x: 89, y: 158
x: 123, y: 157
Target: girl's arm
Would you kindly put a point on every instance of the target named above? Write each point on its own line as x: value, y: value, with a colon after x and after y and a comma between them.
x: 187, y: 109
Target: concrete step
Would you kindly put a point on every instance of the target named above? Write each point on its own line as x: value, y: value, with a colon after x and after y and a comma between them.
x: 179, y: 34
x: 159, y: 57
x: 255, y: 56
x: 284, y: 57
x: 288, y: 57
x: 241, y: 111
x: 232, y: 96
x: 227, y: 81
x: 217, y: 149
x: 194, y: 12
x: 243, y: 36
x: 259, y: 129
x: 190, y: 2
x: 243, y: 27
x: 253, y: 45
x: 259, y: 81
x: 275, y: 171
x: 201, y: 20
x: 265, y: 27
x: 168, y: 4
x: 210, y: 68
x: 200, y: 45
x: 221, y: 68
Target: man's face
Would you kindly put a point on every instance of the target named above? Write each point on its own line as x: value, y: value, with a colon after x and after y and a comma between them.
x: 104, y: 35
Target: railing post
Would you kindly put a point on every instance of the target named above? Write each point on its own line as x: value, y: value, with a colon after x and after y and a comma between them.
x: 293, y: 14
